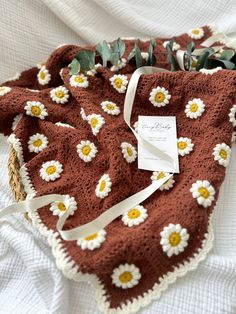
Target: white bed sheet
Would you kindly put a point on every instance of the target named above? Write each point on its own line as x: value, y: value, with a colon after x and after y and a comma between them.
x: 29, y: 279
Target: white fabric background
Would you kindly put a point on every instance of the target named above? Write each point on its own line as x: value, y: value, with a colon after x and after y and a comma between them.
x: 29, y: 30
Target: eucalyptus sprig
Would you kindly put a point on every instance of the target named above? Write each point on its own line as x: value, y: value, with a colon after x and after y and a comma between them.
x: 188, y: 55
x: 170, y: 55
x: 83, y: 61
x: 151, y: 57
x: 136, y: 54
x: 112, y: 52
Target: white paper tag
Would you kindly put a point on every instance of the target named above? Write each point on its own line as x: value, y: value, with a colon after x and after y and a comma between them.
x: 160, y: 131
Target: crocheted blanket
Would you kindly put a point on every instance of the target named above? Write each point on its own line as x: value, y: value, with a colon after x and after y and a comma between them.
x: 70, y: 138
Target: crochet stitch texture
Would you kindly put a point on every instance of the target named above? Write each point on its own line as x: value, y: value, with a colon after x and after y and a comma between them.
x: 73, y: 141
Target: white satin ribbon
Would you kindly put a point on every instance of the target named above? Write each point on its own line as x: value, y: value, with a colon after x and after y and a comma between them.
x: 110, y: 214
x: 115, y: 211
x: 222, y: 38
x: 31, y: 204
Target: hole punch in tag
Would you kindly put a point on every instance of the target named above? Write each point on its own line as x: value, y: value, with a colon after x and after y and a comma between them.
x: 160, y: 131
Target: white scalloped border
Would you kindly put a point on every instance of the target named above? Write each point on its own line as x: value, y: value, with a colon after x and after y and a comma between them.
x: 70, y: 270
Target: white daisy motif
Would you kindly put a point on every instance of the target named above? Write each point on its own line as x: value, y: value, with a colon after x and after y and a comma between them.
x: 185, y: 146
x: 15, y: 77
x: 64, y: 125
x: 86, y: 150
x: 194, y: 108
x: 210, y: 71
x: 4, y: 90
x: 43, y: 76
x: 126, y: 276
x: 159, y: 96
x: 175, y: 46
x: 51, y: 170
x: 157, y: 175
x: 79, y: 80
x: 221, y: 153
x: 120, y: 65
x: 119, y: 82
x: 60, y: 95
x: 83, y: 114
x: 174, y: 239
x: 96, y: 121
x: 93, y: 241
x: 104, y: 186
x: 144, y: 55
x: 37, y: 143
x: 110, y: 107
x: 135, y: 216
x: 129, y: 152
x: 204, y: 192
x: 36, y: 109
x: 232, y: 115
x: 68, y: 206
x: 196, y: 33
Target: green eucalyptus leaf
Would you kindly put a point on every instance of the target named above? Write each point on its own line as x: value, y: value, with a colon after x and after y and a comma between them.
x: 74, y: 67
x: 227, y: 55
x: 131, y: 54
x: 170, y: 57
x: 86, y: 59
x: 138, y: 56
x: 228, y: 64
x: 205, y: 54
x: 105, y: 52
x: 121, y: 47
x: 190, y: 48
x: 114, y: 58
x: 151, y: 61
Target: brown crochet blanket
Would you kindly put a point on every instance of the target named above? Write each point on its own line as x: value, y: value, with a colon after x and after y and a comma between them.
x: 70, y: 138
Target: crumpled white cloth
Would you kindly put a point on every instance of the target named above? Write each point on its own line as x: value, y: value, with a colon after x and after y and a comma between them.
x: 29, y: 279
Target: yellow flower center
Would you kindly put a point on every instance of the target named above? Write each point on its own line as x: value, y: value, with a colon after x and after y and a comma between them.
x: 195, y: 31
x: 42, y: 75
x: 2, y: 88
x: 194, y: 64
x: 86, y: 150
x: 134, y: 213
x: 160, y: 97
x: 102, y: 185
x: 37, y: 143
x: 36, y: 111
x: 118, y: 82
x: 110, y: 107
x: 51, y: 169
x: 60, y: 94
x: 129, y: 151
x: 182, y: 145
x: 61, y: 207
x: 94, y: 122
x: 204, y: 192
x: 125, y: 277
x: 79, y: 79
x: 161, y: 175
x: 91, y: 237
x: 223, y: 154
x: 193, y: 107
x: 174, y: 239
